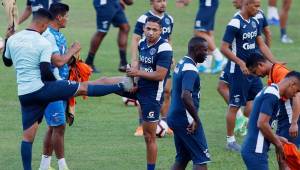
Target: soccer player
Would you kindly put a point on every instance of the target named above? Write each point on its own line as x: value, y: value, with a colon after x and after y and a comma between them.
x: 260, y: 135
x: 288, y: 123
x: 30, y: 54
x: 158, y: 9
x: 280, y: 20
x: 55, y: 111
x: 183, y: 118
x: 109, y: 12
x: 155, y: 58
x: 241, y: 37
x: 223, y: 85
x: 204, y: 27
x: 33, y: 5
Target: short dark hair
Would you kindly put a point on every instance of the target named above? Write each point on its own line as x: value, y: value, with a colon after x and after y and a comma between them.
x: 58, y: 9
x: 254, y: 59
x: 194, y: 43
x: 42, y: 14
x: 154, y: 19
x: 294, y: 74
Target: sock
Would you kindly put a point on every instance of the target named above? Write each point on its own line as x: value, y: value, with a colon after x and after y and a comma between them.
x: 164, y: 119
x: 239, y: 113
x: 140, y: 121
x: 102, y: 90
x: 272, y: 12
x: 217, y: 54
x: 123, y: 57
x: 90, y: 59
x: 26, y: 153
x: 150, y: 166
x: 230, y: 139
x: 62, y: 164
x: 282, y: 32
x: 45, y: 162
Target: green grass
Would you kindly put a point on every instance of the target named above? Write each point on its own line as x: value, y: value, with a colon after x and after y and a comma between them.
x: 102, y: 136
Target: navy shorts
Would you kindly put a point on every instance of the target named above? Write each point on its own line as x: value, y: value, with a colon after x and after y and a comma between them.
x: 33, y: 105
x: 242, y: 88
x: 55, y: 113
x: 109, y: 14
x: 224, y: 76
x: 205, y: 19
x: 190, y: 146
x: 255, y: 161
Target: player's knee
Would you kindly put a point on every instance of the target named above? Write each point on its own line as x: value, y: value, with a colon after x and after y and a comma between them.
x: 125, y: 28
x: 167, y: 94
x: 149, y: 138
x: 59, y: 130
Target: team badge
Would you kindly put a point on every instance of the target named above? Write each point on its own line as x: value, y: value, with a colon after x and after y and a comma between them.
x: 253, y: 24
x: 151, y: 115
x: 167, y: 21
x: 152, y: 51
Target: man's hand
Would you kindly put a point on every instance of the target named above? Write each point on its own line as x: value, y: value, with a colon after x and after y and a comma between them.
x: 9, y: 32
x: 132, y: 72
x: 244, y: 68
x: 192, y: 127
x: 293, y: 130
x: 75, y: 47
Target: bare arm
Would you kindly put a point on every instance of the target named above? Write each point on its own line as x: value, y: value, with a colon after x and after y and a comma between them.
x: 26, y: 14
x: 187, y: 100
x: 231, y: 56
x: 134, y: 50
x: 60, y: 60
x: 268, y: 36
x: 265, y: 49
x: 293, y: 130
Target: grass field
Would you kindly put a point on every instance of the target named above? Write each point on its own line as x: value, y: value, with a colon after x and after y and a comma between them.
x: 102, y: 136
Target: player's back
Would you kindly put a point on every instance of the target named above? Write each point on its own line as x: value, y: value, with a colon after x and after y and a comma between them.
x: 37, y: 4
x: 177, y: 113
x: 266, y: 102
x: 277, y: 73
x: 208, y: 3
x: 107, y: 3
x: 27, y: 49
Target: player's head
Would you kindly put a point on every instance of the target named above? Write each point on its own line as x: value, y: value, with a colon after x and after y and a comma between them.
x: 152, y: 28
x: 159, y: 5
x: 251, y: 7
x: 59, y: 12
x: 258, y: 64
x: 237, y: 3
x: 41, y: 19
x: 293, y: 84
x: 198, y: 49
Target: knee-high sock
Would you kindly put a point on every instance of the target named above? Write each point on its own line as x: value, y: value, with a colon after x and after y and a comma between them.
x: 102, y: 90
x: 26, y: 153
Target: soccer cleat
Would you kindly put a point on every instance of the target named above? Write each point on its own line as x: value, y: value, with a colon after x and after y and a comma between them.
x: 93, y: 67
x: 233, y: 146
x: 122, y: 68
x: 139, y: 131
x: 127, y: 83
x: 273, y: 21
x: 218, y: 67
x: 286, y: 40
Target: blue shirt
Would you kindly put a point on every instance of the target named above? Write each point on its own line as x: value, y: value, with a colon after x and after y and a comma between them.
x: 37, y: 4
x: 59, y: 44
x: 27, y: 49
x: 241, y: 35
x: 208, y: 3
x: 158, y: 54
x: 167, y: 23
x: 107, y: 3
x: 185, y: 77
x: 266, y: 102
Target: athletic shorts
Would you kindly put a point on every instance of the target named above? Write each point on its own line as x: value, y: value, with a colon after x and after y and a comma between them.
x: 224, y: 76
x: 55, y: 113
x: 109, y: 14
x: 242, y: 88
x: 255, y: 161
x: 33, y: 105
x: 205, y: 18
x: 190, y: 146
